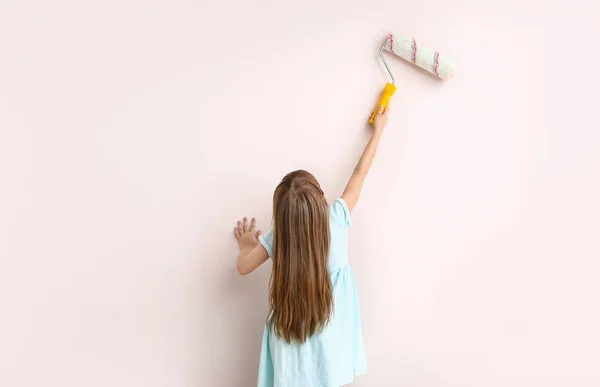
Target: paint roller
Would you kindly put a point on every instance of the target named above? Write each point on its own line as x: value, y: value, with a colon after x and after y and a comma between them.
x: 409, y: 49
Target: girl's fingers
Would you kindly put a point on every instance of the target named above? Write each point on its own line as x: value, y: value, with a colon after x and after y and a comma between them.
x: 244, y: 226
x: 258, y: 233
x: 236, y: 232
x: 380, y: 109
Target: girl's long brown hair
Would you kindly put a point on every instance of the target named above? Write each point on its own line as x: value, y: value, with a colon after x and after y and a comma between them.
x: 300, y: 290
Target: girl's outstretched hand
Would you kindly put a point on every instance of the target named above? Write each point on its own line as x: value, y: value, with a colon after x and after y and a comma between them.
x: 246, y: 234
x: 380, y: 119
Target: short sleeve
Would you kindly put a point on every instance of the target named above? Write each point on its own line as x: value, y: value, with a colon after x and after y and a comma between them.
x: 340, y: 213
x: 267, y: 241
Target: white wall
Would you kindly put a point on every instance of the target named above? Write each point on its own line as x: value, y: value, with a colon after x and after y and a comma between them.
x: 134, y: 134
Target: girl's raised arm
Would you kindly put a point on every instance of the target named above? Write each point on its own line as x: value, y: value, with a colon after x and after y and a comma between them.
x: 355, y: 184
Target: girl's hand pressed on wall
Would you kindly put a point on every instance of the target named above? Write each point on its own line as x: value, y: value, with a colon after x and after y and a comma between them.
x: 246, y: 234
x: 252, y: 253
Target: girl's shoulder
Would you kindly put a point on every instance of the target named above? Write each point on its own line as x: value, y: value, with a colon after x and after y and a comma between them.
x: 339, y: 213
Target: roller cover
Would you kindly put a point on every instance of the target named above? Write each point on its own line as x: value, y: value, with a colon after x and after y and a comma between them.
x: 425, y: 57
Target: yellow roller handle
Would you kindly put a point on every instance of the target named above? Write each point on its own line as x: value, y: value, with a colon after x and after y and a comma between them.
x: 389, y: 90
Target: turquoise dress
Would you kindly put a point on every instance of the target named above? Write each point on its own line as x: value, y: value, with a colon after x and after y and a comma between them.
x: 333, y: 357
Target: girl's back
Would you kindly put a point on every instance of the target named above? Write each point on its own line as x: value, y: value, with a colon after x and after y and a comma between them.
x: 333, y: 356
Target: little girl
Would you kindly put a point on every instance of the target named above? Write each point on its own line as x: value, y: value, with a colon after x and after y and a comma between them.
x: 312, y: 336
